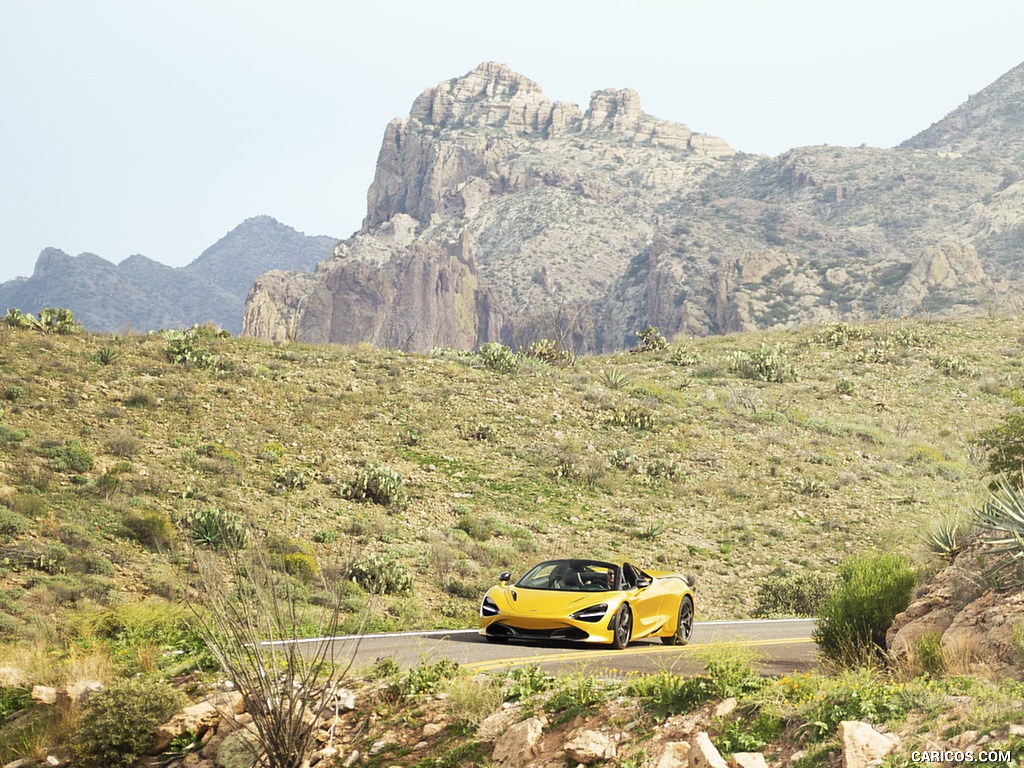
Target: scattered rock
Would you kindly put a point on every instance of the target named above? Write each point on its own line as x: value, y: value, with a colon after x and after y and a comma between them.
x: 704, y: 754
x: 589, y: 747
x: 863, y: 746
x: 676, y: 754
x: 518, y: 743
x: 43, y: 694
x: 12, y: 677
x: 197, y: 719
x: 496, y: 723
x: 748, y: 760
x: 726, y: 707
x: 432, y: 729
x: 81, y: 691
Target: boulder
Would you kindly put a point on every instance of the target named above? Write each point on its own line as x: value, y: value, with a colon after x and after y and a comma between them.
x: 12, y: 677
x: 863, y: 746
x: 704, y: 754
x: 81, y: 691
x: 589, y: 746
x: 518, y: 743
x: 747, y: 760
x: 43, y: 694
x: 676, y: 754
x: 197, y: 719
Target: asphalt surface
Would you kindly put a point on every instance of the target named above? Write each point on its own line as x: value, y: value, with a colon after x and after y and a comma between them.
x: 783, y: 646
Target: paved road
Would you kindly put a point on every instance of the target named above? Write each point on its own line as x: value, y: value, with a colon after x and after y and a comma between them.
x: 784, y: 646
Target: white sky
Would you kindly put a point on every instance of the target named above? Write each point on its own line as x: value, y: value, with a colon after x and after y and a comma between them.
x: 142, y: 127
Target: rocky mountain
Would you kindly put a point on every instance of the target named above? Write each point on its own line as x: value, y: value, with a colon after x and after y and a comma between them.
x: 142, y: 294
x: 497, y: 214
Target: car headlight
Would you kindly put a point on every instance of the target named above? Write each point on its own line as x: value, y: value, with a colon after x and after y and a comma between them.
x: 593, y: 613
x: 488, y: 607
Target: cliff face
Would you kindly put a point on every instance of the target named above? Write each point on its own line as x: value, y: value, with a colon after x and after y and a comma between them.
x: 412, y: 296
x: 497, y: 214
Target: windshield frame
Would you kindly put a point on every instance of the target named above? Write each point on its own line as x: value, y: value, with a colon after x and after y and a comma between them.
x: 529, y: 580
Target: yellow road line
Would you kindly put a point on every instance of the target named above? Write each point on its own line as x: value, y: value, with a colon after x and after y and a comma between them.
x: 591, y: 654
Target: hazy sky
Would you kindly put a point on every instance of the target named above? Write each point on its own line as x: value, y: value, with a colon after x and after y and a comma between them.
x: 143, y: 127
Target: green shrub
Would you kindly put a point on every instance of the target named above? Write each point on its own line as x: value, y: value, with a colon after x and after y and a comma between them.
x: 872, y: 590
x: 217, y: 528
x: 426, y: 677
x: 498, y: 357
x: 11, y: 523
x: 140, y: 398
x: 69, y: 457
x: 185, y: 348
x: 59, y: 320
x: 13, y: 699
x: 549, y: 352
x: 839, y: 335
x: 291, y: 480
x: 752, y: 735
x: 378, y: 484
x: 326, y: 536
x: 271, y: 452
x: 11, y: 436
x: 766, y: 363
x: 17, y: 319
x: 301, y: 565
x: 633, y: 417
x: 731, y: 669
x: 523, y: 682
x: 149, y: 527
x: 684, y: 358
x: 1005, y: 442
x: 16, y: 393
x: 651, y: 340
x: 954, y: 367
x: 845, y: 387
x: 793, y: 594
x: 382, y: 575
x: 667, y: 694
x: 117, y: 725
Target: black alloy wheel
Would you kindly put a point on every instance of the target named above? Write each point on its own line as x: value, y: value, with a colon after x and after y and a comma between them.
x: 684, y: 626
x: 623, y: 628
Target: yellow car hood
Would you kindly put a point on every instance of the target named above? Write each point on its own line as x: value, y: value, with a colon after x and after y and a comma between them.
x: 547, y: 602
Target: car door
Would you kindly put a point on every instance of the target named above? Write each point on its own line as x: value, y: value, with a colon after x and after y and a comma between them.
x: 647, y: 602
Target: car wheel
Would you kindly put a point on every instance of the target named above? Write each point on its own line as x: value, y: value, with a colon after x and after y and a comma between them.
x: 622, y: 628
x: 684, y: 626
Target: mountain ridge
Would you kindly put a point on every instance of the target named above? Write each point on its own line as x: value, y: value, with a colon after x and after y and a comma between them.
x: 143, y: 294
x: 586, y: 225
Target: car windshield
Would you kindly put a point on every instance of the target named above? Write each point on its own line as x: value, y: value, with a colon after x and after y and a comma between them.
x: 572, y: 576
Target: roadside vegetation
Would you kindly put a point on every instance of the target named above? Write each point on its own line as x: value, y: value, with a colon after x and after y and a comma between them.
x: 390, y: 489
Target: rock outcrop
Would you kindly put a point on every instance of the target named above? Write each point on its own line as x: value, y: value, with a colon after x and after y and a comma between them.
x: 973, y: 622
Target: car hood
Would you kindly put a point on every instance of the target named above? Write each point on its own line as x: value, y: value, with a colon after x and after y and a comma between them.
x: 546, y: 601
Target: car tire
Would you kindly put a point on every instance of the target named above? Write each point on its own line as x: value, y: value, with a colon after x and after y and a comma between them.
x: 622, y: 628
x: 684, y: 624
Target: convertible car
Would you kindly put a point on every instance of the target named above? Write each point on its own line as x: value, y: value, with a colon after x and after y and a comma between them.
x: 589, y: 601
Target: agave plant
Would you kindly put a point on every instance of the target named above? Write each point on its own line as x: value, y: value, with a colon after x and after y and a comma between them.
x: 947, y: 537
x: 1002, y: 515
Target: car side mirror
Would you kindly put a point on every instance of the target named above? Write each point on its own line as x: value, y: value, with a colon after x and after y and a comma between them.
x: 643, y: 583
x: 504, y: 577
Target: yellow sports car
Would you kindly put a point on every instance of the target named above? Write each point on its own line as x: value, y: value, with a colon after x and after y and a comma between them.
x: 590, y: 601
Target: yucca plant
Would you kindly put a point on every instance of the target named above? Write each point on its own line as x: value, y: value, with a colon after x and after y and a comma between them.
x: 615, y: 378
x: 1002, y: 517
x: 947, y: 537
